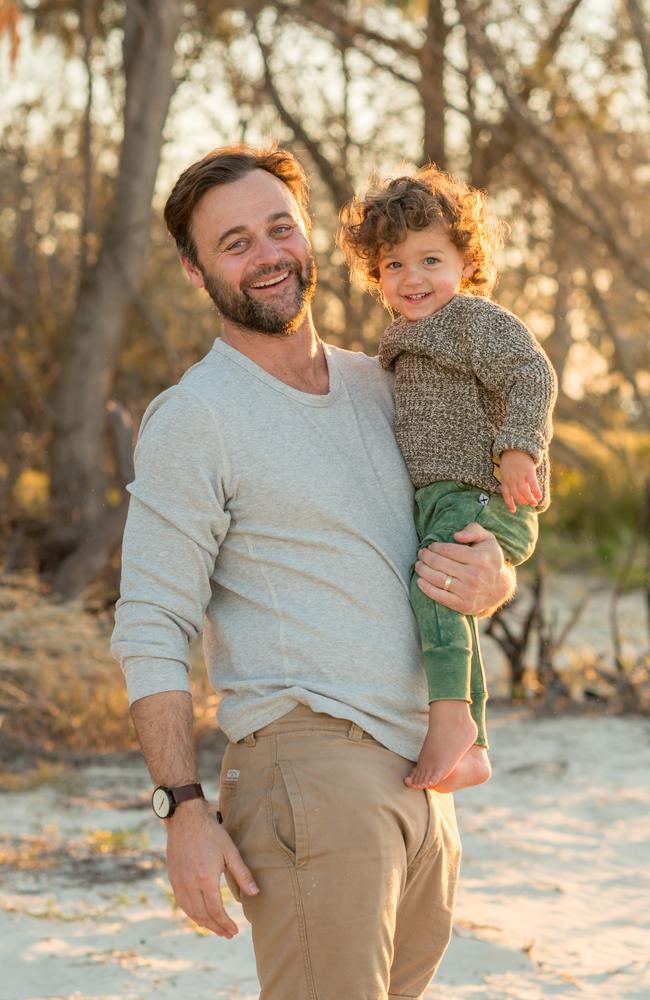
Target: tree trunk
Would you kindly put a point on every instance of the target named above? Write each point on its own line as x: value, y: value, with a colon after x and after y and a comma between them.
x: 432, y: 93
x: 78, y: 474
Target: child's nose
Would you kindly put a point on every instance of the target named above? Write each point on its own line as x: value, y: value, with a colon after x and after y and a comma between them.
x: 410, y: 273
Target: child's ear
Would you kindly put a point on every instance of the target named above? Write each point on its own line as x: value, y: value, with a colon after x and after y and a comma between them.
x: 468, y: 270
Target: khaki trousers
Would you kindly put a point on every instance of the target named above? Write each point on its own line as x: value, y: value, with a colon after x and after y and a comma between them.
x: 357, y: 873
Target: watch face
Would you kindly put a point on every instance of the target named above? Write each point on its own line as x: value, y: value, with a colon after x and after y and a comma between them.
x: 161, y: 803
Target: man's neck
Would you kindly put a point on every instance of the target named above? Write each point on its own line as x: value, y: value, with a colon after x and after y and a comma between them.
x: 296, y: 359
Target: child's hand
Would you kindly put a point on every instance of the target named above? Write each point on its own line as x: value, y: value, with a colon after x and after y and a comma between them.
x: 518, y: 479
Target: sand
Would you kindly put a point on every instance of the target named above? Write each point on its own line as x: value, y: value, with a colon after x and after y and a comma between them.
x: 556, y: 873
x: 553, y: 900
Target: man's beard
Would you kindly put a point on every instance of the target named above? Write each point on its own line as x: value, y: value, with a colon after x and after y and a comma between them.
x: 242, y: 308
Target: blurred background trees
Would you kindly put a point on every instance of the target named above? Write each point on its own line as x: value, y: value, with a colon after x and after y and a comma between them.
x: 544, y: 103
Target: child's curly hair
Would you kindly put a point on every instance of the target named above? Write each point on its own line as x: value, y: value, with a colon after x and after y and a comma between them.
x: 383, y: 216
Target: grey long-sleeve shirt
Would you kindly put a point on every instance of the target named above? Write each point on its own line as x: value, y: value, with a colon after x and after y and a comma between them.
x: 279, y: 523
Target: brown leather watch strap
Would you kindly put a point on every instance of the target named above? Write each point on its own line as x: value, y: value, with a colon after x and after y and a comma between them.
x: 185, y: 792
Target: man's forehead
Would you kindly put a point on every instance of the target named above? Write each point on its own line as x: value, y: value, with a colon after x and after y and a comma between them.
x: 254, y: 199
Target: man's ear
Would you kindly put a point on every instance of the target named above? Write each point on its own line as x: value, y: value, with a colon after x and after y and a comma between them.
x: 192, y: 271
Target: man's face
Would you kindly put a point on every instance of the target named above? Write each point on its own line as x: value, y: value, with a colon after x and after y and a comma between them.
x: 255, y: 261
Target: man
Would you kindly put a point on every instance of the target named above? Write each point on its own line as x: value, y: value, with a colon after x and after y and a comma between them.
x: 271, y: 508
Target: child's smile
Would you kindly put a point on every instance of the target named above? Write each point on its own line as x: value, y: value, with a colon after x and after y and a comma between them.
x: 422, y: 274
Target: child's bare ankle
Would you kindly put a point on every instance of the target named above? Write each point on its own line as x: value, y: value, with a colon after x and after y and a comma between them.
x: 449, y: 712
x: 473, y: 769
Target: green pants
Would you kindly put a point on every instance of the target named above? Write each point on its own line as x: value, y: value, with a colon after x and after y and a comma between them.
x: 450, y: 642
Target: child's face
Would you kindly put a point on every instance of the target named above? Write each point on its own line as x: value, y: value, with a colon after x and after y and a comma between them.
x: 422, y: 273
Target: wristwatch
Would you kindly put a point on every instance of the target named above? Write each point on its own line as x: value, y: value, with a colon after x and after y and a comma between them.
x: 165, y: 800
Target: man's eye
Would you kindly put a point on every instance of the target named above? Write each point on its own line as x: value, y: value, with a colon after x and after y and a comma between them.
x: 281, y: 230
x: 237, y: 245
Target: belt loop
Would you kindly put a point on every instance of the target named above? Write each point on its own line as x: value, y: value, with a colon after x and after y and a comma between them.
x: 249, y: 741
x: 355, y: 733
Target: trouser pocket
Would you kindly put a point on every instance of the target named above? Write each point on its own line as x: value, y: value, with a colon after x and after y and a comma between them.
x: 287, y: 814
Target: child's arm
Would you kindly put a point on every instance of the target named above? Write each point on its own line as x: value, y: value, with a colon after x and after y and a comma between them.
x: 507, y: 359
x: 518, y: 479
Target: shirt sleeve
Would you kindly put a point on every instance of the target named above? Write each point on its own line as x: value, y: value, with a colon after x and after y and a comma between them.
x: 507, y: 359
x: 176, y: 523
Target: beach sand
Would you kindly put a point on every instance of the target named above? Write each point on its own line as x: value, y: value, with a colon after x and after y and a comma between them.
x: 553, y: 898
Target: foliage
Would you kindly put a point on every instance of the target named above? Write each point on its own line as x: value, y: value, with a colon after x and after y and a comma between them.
x: 545, y: 664
x: 59, y: 687
x: 115, y: 841
x: 597, y: 512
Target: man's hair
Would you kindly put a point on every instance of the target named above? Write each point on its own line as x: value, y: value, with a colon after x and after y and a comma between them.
x: 223, y: 166
x: 382, y: 218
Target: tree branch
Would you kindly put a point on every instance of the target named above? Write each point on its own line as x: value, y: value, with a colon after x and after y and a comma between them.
x: 642, y: 36
x: 87, y: 12
x: 548, y: 48
x: 340, y: 189
x: 620, y: 357
x: 597, y: 226
x: 333, y: 21
x: 530, y: 127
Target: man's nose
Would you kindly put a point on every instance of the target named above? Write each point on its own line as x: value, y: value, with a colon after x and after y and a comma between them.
x: 266, y: 252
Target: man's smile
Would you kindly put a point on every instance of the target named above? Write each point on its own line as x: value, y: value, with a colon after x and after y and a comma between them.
x: 276, y: 279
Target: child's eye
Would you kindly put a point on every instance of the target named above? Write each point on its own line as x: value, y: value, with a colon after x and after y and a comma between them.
x: 392, y: 265
x: 431, y: 260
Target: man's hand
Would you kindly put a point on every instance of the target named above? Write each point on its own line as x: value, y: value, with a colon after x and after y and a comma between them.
x: 477, y: 576
x: 518, y: 479
x: 198, y: 852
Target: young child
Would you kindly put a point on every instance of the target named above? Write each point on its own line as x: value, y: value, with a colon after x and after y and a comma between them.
x: 474, y: 394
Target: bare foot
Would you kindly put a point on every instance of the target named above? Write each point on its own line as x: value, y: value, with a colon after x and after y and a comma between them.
x: 473, y: 769
x: 452, y: 731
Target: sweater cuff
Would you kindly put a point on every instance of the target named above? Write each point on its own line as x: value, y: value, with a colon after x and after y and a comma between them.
x: 509, y: 441
x: 145, y: 676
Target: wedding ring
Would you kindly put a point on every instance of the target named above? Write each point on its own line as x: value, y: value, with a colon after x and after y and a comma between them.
x: 448, y: 582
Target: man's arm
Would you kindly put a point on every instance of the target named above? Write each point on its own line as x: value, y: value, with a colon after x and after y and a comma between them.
x: 177, y: 522
x: 198, y: 849
x: 481, y: 580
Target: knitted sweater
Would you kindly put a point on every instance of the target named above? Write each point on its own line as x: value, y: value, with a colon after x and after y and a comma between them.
x: 470, y: 382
